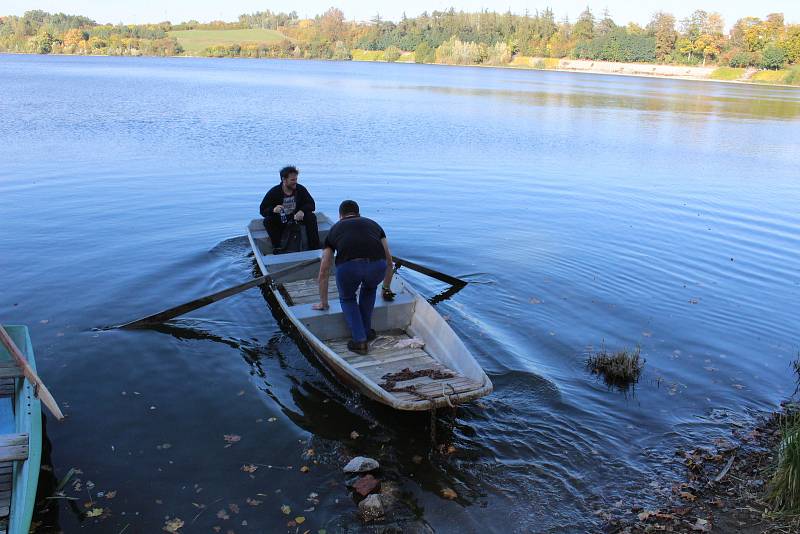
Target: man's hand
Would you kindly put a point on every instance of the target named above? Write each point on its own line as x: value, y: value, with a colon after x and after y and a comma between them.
x: 277, y: 209
x: 320, y: 306
x: 299, y: 216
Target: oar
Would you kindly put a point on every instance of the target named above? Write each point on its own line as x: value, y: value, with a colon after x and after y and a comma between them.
x: 452, y: 280
x: 166, y: 315
x: 41, y: 390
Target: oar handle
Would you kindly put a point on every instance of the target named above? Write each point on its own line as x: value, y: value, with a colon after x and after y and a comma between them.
x: 452, y: 280
x: 41, y: 390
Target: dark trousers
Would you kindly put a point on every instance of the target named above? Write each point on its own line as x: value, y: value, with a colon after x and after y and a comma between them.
x: 349, y: 276
x: 275, y: 229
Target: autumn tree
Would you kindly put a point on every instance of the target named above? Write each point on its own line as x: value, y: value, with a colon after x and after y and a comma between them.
x: 662, y: 27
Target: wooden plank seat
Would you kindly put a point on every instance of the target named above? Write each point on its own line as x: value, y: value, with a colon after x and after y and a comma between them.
x: 307, y: 291
x: 9, y: 369
x: 6, y: 477
x: 392, y: 353
x: 13, y: 447
x: 7, y: 387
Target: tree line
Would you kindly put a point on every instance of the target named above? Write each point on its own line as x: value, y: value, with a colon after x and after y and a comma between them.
x: 450, y: 36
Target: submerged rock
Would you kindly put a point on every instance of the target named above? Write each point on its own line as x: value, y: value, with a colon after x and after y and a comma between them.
x: 361, y: 464
x: 371, y: 508
x: 366, y: 485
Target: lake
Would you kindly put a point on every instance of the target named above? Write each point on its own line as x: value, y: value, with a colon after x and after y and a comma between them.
x: 586, y: 211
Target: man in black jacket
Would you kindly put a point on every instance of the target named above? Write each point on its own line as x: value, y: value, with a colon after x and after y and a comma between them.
x: 289, y: 201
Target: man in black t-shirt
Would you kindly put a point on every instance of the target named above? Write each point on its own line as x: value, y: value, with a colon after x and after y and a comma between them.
x: 362, y: 259
x: 289, y: 201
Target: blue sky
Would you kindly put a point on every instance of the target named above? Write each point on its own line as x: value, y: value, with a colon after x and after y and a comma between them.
x: 622, y: 11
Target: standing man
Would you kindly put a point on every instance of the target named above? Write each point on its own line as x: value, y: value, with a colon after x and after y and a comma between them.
x: 289, y: 201
x: 362, y: 259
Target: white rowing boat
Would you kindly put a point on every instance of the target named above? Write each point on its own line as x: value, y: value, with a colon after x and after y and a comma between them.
x: 417, y: 362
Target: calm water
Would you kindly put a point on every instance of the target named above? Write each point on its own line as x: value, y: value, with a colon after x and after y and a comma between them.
x: 584, y: 210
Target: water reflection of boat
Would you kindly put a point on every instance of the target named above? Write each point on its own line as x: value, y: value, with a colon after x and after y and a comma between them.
x: 20, y: 438
x: 417, y: 361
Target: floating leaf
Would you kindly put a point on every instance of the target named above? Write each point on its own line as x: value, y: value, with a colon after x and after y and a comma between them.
x: 286, y: 509
x: 300, y: 520
x: 94, y: 512
x: 304, y: 469
x: 223, y: 514
x: 230, y: 439
x: 234, y: 508
x: 449, y: 493
x: 252, y: 502
x: 249, y: 468
x: 111, y: 494
x: 173, y: 525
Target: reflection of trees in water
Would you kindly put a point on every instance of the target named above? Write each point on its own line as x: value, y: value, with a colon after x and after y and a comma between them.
x: 711, y: 103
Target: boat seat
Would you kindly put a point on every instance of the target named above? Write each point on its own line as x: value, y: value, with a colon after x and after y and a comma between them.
x: 330, y: 323
x: 9, y: 369
x: 13, y: 447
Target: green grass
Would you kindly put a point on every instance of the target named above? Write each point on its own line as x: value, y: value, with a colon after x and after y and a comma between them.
x: 368, y: 55
x: 196, y: 41
x: 770, y: 76
x: 727, y: 73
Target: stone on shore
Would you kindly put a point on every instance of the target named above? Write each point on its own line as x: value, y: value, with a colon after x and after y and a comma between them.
x: 361, y: 464
x: 371, y: 508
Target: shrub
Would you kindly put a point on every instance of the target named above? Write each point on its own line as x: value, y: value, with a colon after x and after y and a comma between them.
x: 392, y: 54
x: 741, y: 60
x: 424, y: 53
x: 773, y: 57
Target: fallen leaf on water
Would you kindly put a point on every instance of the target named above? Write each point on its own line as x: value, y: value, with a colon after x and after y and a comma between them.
x: 234, y: 508
x: 644, y: 516
x: 223, y: 514
x: 688, y: 496
x: 534, y: 300
x: 230, y: 439
x: 701, y: 525
x: 286, y: 509
x: 738, y: 386
x: 111, y: 494
x: 249, y: 468
x: 164, y: 446
x: 173, y: 525
x: 241, y: 392
x: 272, y: 419
x: 94, y: 512
x: 300, y: 520
x: 252, y: 502
x: 44, y: 321
x: 354, y: 435
x: 647, y: 333
x: 304, y: 469
x: 449, y: 493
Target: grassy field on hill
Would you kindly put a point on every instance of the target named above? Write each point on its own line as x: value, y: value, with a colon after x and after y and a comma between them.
x: 195, y: 41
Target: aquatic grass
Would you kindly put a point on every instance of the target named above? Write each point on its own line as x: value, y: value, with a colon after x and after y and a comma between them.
x: 620, y: 369
x: 783, y: 490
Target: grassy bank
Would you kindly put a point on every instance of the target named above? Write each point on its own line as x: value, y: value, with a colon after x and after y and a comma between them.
x: 380, y: 55
x: 195, y: 42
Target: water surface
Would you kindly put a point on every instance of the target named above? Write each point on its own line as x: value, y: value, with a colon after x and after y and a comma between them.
x: 584, y: 210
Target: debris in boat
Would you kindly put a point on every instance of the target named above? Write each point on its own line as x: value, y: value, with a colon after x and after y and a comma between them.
x: 391, y: 379
x: 366, y: 485
x: 361, y: 464
x: 371, y: 508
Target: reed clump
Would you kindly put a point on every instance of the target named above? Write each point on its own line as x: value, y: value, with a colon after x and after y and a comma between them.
x: 621, y: 369
x: 784, y: 489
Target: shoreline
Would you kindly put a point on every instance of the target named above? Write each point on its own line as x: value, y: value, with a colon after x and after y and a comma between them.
x: 723, y: 490
x: 608, y: 69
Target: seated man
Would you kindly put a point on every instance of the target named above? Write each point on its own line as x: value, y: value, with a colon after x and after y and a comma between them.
x: 285, y: 202
x: 362, y: 259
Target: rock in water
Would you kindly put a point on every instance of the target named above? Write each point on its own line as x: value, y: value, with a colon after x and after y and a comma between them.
x: 361, y: 464
x: 371, y: 508
x: 366, y: 485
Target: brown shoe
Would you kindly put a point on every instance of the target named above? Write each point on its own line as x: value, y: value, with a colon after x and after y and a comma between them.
x: 359, y: 348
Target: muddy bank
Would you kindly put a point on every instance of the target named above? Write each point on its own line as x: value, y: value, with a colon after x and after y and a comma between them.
x: 724, y: 490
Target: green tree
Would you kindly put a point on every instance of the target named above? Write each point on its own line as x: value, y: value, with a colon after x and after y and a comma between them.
x: 773, y: 57
x: 662, y: 27
x: 41, y: 43
x: 584, y: 28
x: 392, y: 54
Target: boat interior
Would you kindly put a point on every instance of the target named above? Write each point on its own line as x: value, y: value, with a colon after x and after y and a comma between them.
x: 416, y: 356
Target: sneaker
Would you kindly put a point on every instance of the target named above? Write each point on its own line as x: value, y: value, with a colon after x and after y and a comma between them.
x: 359, y: 348
x: 372, y: 334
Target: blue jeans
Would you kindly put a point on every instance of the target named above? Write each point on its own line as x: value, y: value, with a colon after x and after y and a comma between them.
x: 350, y: 275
